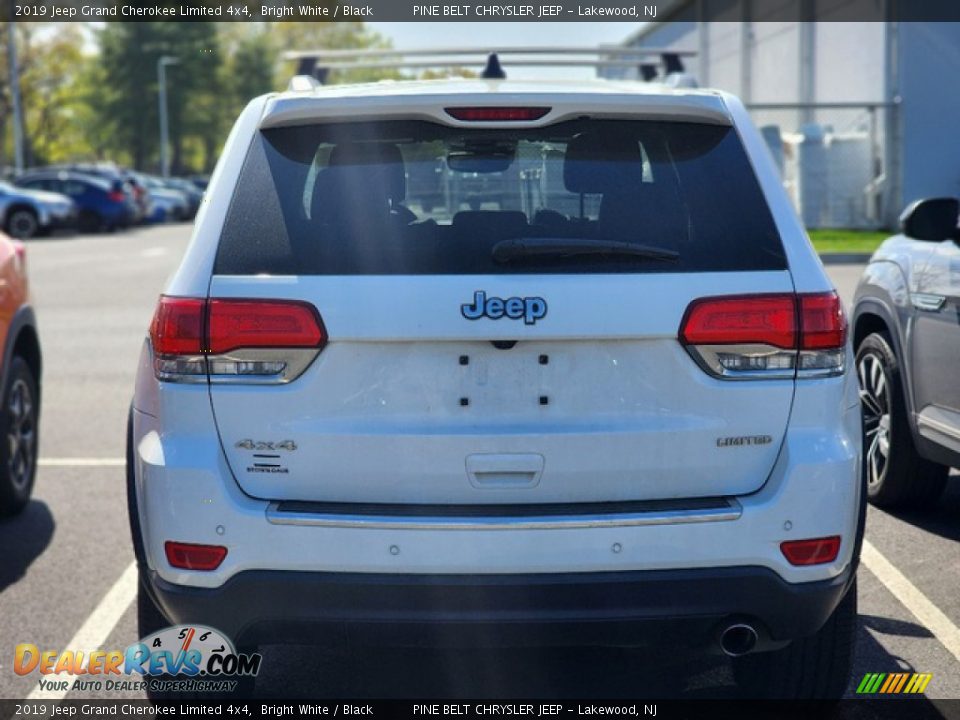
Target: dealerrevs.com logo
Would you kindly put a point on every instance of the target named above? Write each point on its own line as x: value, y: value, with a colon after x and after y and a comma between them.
x: 191, y: 658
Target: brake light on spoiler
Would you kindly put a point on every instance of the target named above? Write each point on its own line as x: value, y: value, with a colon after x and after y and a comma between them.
x: 767, y: 336
x: 230, y: 340
x: 497, y: 114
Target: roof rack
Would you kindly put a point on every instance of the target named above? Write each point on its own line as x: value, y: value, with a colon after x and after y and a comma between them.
x: 650, y: 62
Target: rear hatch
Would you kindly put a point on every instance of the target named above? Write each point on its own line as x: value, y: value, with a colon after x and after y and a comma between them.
x: 515, y: 345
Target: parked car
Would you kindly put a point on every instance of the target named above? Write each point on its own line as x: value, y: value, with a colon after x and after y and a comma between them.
x: 20, y: 373
x: 908, y: 349
x: 637, y: 424
x: 193, y: 194
x: 114, y: 174
x: 101, y: 204
x: 26, y: 213
x: 169, y: 205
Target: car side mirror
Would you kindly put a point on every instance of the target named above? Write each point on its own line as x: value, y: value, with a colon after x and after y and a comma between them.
x: 933, y: 219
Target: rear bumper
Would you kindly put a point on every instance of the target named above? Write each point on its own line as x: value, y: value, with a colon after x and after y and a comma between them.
x: 676, y: 607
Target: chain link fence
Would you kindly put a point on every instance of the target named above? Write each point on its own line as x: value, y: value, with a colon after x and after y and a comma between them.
x: 834, y: 160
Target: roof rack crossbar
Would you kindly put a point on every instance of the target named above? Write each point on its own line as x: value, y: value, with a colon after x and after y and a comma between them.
x: 473, y: 62
x: 601, y: 50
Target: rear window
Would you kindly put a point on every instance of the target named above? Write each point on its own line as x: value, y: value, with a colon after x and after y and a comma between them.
x: 421, y: 198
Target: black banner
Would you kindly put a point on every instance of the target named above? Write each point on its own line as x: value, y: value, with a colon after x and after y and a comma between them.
x: 917, y: 708
x: 467, y: 11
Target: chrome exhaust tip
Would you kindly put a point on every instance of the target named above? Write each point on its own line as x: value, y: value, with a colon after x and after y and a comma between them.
x: 738, y: 639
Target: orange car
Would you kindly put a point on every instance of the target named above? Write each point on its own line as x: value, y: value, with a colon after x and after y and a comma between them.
x: 19, y: 380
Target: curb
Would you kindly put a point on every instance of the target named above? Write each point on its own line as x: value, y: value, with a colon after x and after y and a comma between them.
x: 844, y: 258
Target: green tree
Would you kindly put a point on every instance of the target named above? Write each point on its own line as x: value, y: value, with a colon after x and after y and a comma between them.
x: 54, y: 66
x: 128, y: 58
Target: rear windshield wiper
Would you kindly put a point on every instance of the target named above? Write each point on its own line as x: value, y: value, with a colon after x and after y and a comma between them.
x: 508, y: 250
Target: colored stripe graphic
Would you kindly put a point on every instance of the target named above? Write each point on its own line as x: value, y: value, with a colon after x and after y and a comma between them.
x: 894, y: 683
x: 901, y: 682
x: 918, y: 683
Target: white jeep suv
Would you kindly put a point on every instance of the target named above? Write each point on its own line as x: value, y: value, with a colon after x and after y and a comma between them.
x: 503, y: 363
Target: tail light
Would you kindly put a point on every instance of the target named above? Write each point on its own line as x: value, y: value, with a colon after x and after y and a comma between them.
x: 767, y: 336
x: 189, y: 556
x: 117, y: 196
x: 811, y: 552
x: 226, y: 340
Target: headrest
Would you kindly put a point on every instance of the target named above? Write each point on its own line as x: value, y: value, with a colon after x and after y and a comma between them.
x: 379, y: 164
x: 600, y: 163
x: 495, y: 223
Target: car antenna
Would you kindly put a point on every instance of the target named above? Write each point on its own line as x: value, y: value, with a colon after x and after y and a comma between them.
x: 493, y: 70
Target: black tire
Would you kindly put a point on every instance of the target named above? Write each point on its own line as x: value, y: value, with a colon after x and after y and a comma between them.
x: 896, y: 474
x: 19, y: 414
x: 813, y: 668
x: 22, y: 223
x: 149, y: 617
x: 89, y: 221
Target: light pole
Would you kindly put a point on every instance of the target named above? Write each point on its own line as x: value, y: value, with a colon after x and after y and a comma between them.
x: 162, y: 63
x: 15, y: 97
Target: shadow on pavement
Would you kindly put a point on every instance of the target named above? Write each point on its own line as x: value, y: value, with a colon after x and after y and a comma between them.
x: 872, y: 657
x: 889, y: 626
x: 555, y: 673
x: 942, y: 518
x: 23, y: 539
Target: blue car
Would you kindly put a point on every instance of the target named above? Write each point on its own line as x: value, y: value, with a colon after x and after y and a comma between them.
x: 102, y: 205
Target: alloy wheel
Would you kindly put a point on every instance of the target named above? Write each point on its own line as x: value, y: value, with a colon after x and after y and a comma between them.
x: 23, y: 224
x: 21, y: 433
x: 875, y: 398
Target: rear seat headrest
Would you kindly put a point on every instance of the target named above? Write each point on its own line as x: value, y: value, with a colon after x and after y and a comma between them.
x: 496, y: 223
x: 380, y: 163
x: 600, y: 163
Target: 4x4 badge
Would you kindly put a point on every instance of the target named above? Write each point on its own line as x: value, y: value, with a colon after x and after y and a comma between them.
x: 263, y: 445
x: 530, y: 309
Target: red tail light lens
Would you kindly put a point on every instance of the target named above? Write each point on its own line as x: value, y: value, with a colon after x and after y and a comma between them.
x: 189, y: 556
x: 257, y: 323
x: 117, y: 196
x: 811, y: 552
x: 497, y: 114
x: 823, y: 321
x: 177, y: 327
x: 257, y: 341
x: 761, y: 319
x: 767, y: 336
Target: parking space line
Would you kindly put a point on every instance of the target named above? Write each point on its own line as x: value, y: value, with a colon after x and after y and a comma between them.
x: 915, y: 601
x: 98, y: 626
x: 81, y: 462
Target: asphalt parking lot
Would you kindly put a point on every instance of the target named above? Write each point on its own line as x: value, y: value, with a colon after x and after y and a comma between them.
x: 65, y: 564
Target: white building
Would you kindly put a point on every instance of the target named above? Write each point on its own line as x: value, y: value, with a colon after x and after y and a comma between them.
x: 862, y: 113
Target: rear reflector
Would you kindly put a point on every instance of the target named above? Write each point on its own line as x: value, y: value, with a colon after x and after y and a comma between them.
x: 263, y: 323
x: 811, y: 552
x: 188, y: 556
x: 497, y: 114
